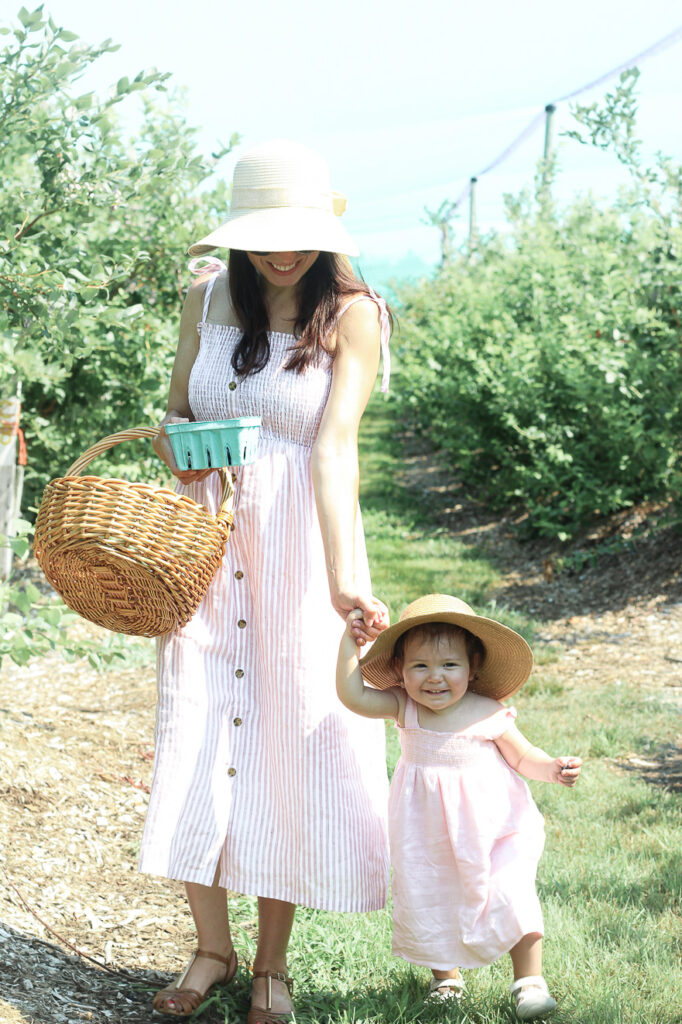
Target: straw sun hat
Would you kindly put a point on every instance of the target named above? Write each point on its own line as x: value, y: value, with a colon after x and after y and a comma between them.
x: 281, y: 201
x: 508, y: 658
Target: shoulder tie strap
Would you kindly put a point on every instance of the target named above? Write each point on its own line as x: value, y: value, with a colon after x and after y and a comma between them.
x: 411, y: 714
x: 385, y: 333
x: 207, y: 265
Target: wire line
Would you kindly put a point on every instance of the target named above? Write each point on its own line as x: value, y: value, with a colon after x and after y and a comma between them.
x: 662, y: 44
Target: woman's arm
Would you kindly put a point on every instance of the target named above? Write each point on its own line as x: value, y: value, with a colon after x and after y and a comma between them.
x: 349, y: 684
x: 524, y: 758
x: 178, y: 398
x: 335, y: 458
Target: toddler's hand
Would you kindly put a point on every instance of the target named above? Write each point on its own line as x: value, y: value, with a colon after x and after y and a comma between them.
x: 567, y: 770
x: 360, y: 630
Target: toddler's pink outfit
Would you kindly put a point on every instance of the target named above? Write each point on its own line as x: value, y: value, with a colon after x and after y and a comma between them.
x: 466, y: 838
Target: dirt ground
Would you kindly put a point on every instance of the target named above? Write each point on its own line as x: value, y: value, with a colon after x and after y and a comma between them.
x: 76, y: 750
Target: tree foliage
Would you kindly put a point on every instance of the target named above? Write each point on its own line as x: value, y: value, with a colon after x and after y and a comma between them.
x: 95, y: 222
x: 549, y: 364
x: 94, y: 227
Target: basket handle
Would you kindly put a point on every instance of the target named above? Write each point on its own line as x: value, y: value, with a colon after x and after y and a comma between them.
x: 224, y: 513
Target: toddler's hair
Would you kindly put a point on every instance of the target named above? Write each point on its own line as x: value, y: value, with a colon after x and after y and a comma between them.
x: 439, y: 631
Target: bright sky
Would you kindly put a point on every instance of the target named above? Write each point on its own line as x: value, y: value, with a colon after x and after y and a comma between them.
x: 406, y: 100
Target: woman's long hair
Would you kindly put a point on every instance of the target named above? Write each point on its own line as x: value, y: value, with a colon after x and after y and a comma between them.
x: 323, y: 286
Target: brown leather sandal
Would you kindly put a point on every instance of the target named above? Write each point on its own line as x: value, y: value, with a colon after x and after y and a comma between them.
x: 186, y: 1000
x: 266, y: 1015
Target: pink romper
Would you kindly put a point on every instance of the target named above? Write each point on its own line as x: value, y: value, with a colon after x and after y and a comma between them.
x: 259, y: 769
x: 466, y: 838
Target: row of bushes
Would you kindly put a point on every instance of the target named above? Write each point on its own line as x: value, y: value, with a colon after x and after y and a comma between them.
x: 548, y: 363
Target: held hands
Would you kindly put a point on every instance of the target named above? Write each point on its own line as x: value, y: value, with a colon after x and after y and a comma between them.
x: 365, y: 620
x: 162, y: 446
x: 566, y: 770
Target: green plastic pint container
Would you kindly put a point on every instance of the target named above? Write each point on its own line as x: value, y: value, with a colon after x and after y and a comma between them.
x: 208, y: 445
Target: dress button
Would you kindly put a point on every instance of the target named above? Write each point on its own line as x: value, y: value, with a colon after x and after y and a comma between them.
x: 232, y: 385
x: 242, y: 623
x: 239, y: 673
x: 231, y: 771
x: 239, y: 575
x: 236, y: 721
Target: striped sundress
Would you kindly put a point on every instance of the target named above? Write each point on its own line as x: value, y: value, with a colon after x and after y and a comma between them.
x: 258, y: 766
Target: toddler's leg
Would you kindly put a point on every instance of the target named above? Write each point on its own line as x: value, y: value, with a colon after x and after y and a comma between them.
x: 446, y: 984
x: 526, y: 956
x: 529, y: 992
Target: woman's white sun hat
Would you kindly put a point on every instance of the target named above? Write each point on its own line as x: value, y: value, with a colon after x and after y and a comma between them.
x: 281, y: 201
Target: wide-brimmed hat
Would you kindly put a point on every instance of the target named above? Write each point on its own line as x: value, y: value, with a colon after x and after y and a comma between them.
x: 508, y: 658
x: 281, y: 201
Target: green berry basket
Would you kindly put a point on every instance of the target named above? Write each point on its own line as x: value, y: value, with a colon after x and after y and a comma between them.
x: 215, y: 443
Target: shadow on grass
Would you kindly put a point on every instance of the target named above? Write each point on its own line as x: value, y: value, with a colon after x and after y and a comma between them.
x: 404, y: 1003
x: 661, y: 768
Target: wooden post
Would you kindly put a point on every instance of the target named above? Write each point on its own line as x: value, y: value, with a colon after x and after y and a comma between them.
x: 472, y: 214
x: 11, y: 476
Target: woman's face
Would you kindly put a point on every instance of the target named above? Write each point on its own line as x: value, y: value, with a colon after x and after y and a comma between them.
x: 283, y: 268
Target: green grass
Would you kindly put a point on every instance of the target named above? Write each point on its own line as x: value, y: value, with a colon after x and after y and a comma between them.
x: 610, y: 880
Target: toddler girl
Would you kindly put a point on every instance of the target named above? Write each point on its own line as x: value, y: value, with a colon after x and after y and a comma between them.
x: 465, y: 833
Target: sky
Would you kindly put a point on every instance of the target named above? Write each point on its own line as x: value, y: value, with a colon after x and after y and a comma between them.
x: 405, y: 100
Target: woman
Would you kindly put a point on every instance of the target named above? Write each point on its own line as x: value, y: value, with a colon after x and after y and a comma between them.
x: 263, y: 783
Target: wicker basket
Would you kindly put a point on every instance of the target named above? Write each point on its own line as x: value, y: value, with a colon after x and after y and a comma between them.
x: 134, y: 558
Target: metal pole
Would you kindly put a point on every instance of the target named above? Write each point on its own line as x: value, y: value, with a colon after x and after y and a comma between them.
x: 549, y: 133
x: 472, y: 212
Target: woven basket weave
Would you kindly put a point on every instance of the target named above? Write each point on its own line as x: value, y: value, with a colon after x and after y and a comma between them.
x: 134, y: 558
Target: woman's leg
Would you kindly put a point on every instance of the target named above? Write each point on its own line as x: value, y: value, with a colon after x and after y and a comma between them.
x: 275, y: 920
x: 526, y: 956
x: 208, y: 904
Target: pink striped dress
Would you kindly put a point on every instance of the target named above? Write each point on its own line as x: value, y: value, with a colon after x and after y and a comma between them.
x: 258, y: 766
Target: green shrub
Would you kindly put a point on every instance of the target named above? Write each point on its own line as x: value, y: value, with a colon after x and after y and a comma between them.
x: 548, y: 363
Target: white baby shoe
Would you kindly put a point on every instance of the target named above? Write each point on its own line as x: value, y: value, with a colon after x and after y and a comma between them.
x: 445, y: 988
x: 531, y: 997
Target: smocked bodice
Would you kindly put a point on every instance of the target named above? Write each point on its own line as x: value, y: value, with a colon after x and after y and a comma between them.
x: 427, y: 748
x: 290, y: 404
x: 424, y: 748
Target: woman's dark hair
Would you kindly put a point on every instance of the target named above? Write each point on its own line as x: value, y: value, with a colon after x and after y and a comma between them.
x: 328, y: 280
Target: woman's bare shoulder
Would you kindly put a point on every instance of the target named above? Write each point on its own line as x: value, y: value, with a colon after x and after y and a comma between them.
x: 220, y: 308
x: 359, y: 320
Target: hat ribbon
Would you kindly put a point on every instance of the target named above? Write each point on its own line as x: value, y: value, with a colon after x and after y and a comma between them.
x: 206, y: 265
x: 267, y: 198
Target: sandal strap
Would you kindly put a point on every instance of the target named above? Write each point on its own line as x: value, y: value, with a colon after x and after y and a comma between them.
x: 278, y: 976
x: 532, y: 981
x: 455, y: 983
x: 206, y: 955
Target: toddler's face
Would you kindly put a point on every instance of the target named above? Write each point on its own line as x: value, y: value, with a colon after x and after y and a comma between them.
x: 436, y: 672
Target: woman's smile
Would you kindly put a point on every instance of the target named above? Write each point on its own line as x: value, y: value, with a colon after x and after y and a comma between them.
x: 283, y: 268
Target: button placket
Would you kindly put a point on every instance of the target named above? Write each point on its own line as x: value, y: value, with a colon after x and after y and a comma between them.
x: 240, y: 659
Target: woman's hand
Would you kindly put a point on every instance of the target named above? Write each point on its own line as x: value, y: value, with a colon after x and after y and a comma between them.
x: 370, y: 618
x: 163, y: 448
